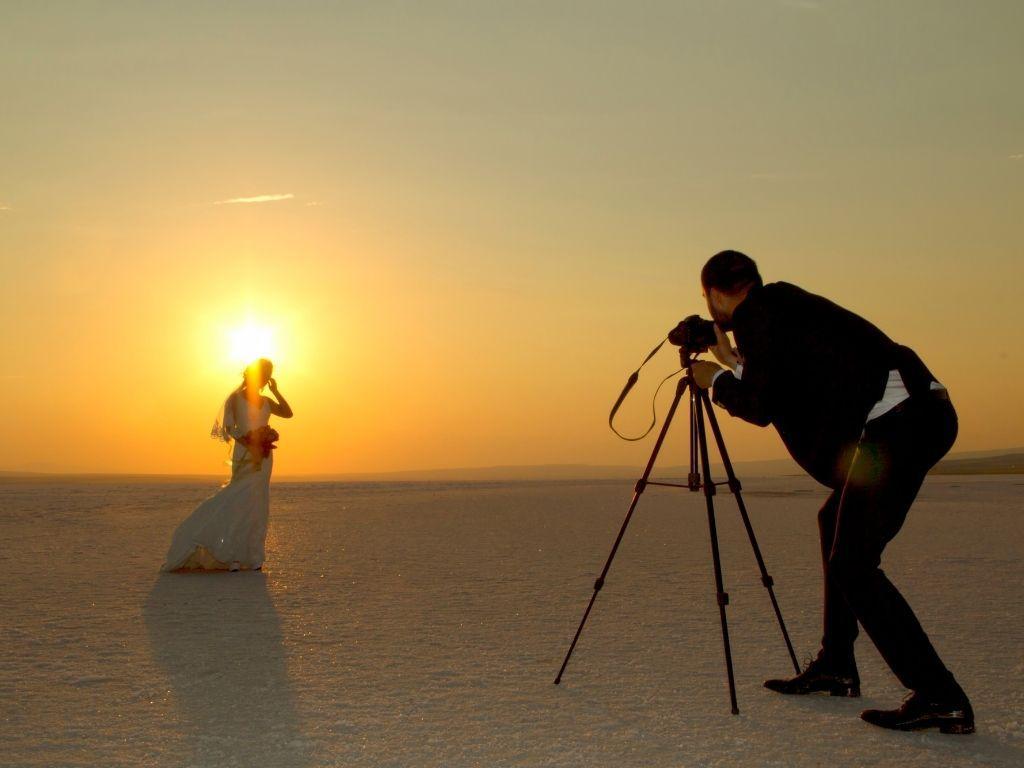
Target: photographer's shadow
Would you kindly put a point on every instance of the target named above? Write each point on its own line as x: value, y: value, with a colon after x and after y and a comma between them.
x: 218, y: 638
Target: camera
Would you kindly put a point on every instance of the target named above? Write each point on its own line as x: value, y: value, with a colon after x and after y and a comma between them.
x: 694, y: 335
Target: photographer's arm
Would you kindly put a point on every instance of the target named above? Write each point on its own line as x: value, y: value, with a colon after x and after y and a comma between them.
x: 741, y: 399
x: 744, y: 392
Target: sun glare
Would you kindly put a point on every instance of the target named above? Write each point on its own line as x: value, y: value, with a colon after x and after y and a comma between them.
x: 250, y: 342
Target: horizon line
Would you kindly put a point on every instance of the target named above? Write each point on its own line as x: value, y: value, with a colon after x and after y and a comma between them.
x: 627, y: 470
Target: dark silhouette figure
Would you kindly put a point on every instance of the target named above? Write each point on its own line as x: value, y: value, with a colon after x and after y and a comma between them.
x: 865, y: 417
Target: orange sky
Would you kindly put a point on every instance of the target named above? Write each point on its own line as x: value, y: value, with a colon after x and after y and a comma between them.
x: 465, y: 226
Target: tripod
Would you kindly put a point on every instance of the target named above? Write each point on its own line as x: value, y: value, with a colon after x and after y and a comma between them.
x: 700, y: 404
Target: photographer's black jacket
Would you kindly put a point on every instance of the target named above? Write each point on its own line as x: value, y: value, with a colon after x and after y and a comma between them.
x: 813, y: 370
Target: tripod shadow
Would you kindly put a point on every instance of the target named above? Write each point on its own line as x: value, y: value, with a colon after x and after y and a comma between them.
x: 218, y: 639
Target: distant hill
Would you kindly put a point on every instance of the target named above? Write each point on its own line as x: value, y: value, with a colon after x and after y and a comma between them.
x: 965, y: 463
x: 1005, y: 464
x: 552, y: 472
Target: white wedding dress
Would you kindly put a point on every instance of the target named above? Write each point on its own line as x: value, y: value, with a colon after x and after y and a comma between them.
x: 228, y: 530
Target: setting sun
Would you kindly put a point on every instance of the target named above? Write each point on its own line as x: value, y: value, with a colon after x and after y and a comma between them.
x: 250, y: 342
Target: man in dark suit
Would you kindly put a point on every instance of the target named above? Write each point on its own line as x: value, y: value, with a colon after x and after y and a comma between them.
x: 866, y: 418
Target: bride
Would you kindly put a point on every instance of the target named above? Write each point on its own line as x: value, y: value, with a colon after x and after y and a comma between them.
x: 227, y: 531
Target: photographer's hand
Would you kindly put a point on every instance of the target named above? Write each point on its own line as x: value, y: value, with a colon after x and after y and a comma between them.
x: 723, y: 350
x: 704, y: 373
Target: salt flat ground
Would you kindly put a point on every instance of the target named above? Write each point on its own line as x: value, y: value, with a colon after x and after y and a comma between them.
x: 422, y: 624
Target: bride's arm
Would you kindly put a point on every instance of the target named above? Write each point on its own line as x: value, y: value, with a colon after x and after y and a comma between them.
x: 281, y: 407
x: 230, y: 422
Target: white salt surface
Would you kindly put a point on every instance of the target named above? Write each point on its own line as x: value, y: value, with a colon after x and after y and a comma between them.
x: 422, y: 625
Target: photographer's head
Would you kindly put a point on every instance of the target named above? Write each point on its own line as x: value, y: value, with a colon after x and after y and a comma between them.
x: 727, y: 278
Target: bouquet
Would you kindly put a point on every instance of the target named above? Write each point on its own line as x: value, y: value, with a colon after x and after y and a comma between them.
x: 260, y: 443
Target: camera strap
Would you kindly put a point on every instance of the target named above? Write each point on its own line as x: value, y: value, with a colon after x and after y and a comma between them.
x: 630, y: 383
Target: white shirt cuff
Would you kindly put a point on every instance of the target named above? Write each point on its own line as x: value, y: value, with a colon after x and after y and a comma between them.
x: 737, y: 372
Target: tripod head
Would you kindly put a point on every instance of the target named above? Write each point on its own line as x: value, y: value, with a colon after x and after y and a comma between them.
x: 687, y: 358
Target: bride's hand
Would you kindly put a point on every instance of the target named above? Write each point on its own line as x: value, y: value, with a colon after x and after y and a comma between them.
x: 272, y: 382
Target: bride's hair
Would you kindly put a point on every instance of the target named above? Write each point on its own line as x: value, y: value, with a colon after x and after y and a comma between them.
x: 258, y: 370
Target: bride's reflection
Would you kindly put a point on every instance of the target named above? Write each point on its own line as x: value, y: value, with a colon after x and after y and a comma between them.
x: 219, y: 640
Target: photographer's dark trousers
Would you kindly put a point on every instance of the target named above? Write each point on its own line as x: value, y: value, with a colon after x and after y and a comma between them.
x: 856, y: 522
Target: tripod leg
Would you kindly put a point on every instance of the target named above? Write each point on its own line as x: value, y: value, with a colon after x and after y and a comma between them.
x: 641, y: 485
x: 734, y: 486
x: 693, y: 480
x: 709, y: 490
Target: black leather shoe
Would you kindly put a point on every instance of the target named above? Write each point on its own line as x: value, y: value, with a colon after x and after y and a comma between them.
x: 820, y: 677
x: 951, y: 715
